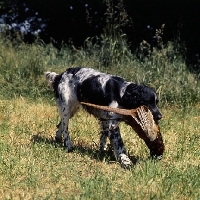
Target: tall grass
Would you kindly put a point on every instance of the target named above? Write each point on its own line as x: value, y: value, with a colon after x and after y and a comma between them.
x: 22, y: 67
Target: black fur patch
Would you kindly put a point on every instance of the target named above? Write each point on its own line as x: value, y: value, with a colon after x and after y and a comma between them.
x: 73, y: 70
x: 91, y: 91
x: 133, y: 96
x: 56, y: 83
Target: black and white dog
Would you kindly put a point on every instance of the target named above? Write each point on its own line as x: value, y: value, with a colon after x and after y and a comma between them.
x: 77, y: 85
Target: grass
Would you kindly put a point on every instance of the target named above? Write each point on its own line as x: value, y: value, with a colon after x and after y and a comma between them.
x: 22, y: 68
x: 34, y: 167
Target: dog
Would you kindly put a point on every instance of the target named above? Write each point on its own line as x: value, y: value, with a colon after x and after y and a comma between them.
x: 80, y: 84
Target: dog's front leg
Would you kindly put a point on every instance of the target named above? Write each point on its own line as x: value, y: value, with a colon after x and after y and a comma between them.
x: 103, y: 138
x: 59, y: 132
x: 113, y: 132
x: 119, y: 149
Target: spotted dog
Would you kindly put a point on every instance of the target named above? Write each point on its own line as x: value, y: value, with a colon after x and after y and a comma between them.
x: 79, y: 84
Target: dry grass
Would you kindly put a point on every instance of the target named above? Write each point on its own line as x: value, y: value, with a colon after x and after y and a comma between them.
x: 34, y: 167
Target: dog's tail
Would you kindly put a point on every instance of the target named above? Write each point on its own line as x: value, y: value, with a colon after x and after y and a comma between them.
x: 50, y: 77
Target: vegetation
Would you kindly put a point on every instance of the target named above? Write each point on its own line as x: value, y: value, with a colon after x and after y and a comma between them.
x: 23, y: 65
x: 33, y: 166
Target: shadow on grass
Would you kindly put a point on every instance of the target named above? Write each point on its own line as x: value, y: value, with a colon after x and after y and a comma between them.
x: 80, y: 147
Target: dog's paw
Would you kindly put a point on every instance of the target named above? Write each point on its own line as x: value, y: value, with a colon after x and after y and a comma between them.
x: 68, y: 150
x: 155, y: 157
x: 68, y: 145
x: 58, y: 139
x: 125, y: 161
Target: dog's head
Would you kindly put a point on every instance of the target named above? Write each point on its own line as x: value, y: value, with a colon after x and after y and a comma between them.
x: 138, y: 95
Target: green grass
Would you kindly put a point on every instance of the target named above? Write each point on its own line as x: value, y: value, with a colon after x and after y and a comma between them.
x: 22, y: 68
x: 33, y: 166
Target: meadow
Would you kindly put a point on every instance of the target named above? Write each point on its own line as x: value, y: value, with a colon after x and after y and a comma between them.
x: 33, y: 166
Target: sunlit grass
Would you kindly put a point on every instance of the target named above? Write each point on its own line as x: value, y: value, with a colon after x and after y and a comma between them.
x: 34, y: 167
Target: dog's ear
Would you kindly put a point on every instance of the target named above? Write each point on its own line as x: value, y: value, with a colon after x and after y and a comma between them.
x: 132, y: 96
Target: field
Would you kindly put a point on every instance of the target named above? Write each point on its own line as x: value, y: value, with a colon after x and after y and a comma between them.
x: 33, y: 166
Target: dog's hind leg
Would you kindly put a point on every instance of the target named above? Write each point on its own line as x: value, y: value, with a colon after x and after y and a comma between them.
x: 113, y: 133
x: 60, y: 126
x: 65, y: 116
x: 67, y: 105
x: 63, y: 127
